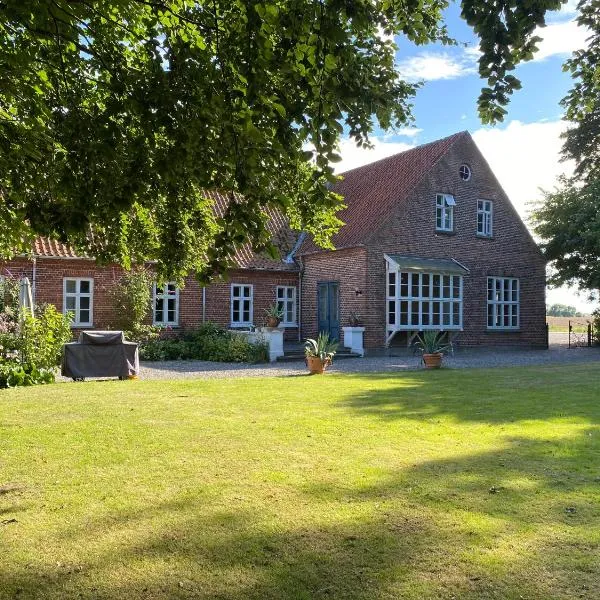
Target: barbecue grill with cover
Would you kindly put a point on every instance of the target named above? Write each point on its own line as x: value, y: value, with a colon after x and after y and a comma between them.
x: 100, y: 354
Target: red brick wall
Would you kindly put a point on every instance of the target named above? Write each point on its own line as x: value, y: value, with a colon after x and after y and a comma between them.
x: 218, y: 296
x: 50, y: 273
x: 349, y: 268
x: 510, y: 253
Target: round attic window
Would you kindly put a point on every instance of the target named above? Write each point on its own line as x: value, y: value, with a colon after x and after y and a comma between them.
x: 465, y: 172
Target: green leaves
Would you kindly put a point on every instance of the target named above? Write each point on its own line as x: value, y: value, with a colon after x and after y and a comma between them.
x: 118, y: 118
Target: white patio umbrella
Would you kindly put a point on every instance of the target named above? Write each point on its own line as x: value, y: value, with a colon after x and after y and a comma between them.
x: 25, y: 297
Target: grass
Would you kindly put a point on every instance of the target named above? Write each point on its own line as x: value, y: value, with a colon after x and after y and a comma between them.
x: 451, y: 484
x: 561, y: 324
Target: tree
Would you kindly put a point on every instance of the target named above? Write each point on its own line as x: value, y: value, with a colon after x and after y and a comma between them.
x: 562, y: 310
x: 568, y: 219
x: 116, y: 116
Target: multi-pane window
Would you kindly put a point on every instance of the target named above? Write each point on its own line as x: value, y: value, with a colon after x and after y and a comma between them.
x: 78, y: 299
x: 166, y: 304
x: 241, y: 304
x: 424, y: 301
x: 503, y: 303
x: 484, y: 217
x: 286, y: 302
x: 444, y: 212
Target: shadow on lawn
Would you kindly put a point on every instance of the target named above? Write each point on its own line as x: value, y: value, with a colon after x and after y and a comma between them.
x: 494, y: 396
x: 393, y: 556
x: 435, y: 534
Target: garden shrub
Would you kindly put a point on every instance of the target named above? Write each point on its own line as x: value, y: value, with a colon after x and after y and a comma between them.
x: 132, y: 301
x: 43, y: 336
x: 13, y: 374
x: 31, y: 346
x: 208, y: 342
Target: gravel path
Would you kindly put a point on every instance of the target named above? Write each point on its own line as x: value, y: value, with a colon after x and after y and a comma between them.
x: 557, y: 354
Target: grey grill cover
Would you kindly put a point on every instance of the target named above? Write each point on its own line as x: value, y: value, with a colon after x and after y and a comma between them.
x: 100, y: 354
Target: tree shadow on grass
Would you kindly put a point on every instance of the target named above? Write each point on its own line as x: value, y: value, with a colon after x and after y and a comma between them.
x: 437, y: 532
x: 494, y: 396
x: 390, y: 556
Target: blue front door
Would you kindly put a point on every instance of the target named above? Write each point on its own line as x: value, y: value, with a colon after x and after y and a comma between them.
x: 329, y: 308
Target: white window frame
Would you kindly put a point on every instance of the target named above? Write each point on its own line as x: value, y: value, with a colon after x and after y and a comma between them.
x: 77, y: 322
x: 285, y: 301
x: 444, y: 212
x: 242, y: 298
x: 485, y: 209
x: 165, y: 295
x: 405, y: 294
x: 500, y: 306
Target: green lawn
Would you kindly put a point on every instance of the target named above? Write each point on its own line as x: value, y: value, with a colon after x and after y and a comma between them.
x: 459, y: 484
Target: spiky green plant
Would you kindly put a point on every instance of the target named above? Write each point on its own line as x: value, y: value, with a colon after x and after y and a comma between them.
x: 322, y: 347
x: 432, y: 342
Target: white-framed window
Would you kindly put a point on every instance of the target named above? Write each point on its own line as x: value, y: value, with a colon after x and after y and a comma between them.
x: 166, y: 304
x: 444, y: 212
x: 502, y: 303
x: 424, y: 301
x: 78, y: 299
x: 286, y: 302
x: 485, y: 211
x: 464, y: 172
x: 242, y: 304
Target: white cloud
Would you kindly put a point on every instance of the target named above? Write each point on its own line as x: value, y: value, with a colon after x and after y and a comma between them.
x: 560, y: 38
x: 353, y: 156
x: 430, y: 66
x: 406, y: 132
x: 524, y: 157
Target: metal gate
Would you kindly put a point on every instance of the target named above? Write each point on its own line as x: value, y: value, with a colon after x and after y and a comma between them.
x: 581, y: 334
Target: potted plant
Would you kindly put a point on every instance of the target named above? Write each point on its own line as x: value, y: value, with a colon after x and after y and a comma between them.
x: 354, y: 320
x: 274, y: 315
x: 432, y: 346
x: 319, y: 353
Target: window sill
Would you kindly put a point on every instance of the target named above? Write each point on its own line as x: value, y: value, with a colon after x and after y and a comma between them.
x: 480, y: 236
x: 241, y: 325
x: 166, y: 325
x: 503, y: 330
x: 443, y: 232
x: 288, y: 325
x: 82, y: 326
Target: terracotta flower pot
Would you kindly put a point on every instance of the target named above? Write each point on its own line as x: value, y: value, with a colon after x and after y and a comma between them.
x: 272, y: 322
x: 316, y: 365
x: 433, y: 361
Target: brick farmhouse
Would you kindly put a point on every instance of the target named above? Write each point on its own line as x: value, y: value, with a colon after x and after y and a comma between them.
x: 430, y: 241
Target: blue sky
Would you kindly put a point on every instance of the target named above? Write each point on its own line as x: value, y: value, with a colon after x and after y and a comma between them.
x: 524, y: 150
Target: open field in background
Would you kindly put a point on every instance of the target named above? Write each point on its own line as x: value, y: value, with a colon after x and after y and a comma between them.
x: 462, y: 484
x: 561, y: 324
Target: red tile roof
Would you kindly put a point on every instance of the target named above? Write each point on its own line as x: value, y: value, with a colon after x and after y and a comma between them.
x: 47, y: 248
x: 372, y: 190
x: 244, y: 258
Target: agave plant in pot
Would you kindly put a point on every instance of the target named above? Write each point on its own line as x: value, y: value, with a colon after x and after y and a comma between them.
x: 432, y: 346
x: 319, y: 353
x: 274, y: 315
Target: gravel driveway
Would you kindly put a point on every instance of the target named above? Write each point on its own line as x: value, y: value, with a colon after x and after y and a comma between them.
x: 466, y: 358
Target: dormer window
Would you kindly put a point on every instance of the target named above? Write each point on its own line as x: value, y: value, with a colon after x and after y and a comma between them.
x: 444, y: 212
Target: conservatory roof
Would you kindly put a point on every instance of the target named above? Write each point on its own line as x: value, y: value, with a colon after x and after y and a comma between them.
x: 426, y: 265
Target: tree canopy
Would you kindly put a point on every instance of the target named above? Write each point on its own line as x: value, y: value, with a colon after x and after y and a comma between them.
x: 568, y: 219
x: 117, y: 115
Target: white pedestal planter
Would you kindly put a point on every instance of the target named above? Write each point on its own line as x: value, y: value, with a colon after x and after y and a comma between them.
x: 353, y: 339
x: 273, y: 337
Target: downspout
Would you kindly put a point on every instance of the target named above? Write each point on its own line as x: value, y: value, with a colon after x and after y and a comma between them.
x: 33, y: 278
x: 300, y: 273
x: 203, y: 304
